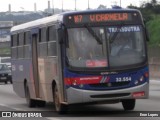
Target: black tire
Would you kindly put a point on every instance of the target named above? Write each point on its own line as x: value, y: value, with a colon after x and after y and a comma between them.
x: 30, y: 102
x: 6, y: 82
x: 60, y: 108
x: 129, y: 104
x: 40, y: 103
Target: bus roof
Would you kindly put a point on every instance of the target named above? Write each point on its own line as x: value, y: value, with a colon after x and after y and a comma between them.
x: 99, y: 11
x: 59, y: 17
x: 37, y: 22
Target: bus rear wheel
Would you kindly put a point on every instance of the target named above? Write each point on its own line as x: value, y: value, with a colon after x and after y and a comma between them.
x: 30, y: 102
x: 128, y: 104
x: 59, y: 107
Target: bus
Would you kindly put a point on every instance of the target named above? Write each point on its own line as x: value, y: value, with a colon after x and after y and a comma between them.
x: 92, y: 56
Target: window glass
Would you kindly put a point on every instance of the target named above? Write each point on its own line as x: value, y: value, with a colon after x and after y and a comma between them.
x: 87, y: 47
x: 15, y: 40
x: 126, y: 45
x: 43, y: 34
x: 3, y: 67
x: 27, y: 37
x: 21, y: 39
x: 52, y: 33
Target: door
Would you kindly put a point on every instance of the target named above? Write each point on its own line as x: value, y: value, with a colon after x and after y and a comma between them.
x: 35, y: 62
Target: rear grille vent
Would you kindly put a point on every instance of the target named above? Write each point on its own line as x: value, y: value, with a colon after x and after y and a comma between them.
x: 104, y: 85
x: 110, y: 95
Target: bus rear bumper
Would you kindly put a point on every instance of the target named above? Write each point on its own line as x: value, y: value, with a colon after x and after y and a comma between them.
x: 83, y: 96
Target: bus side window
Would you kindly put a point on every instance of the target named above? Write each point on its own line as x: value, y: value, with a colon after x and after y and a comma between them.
x: 43, y: 34
x: 11, y: 40
x: 27, y: 36
x: 39, y: 36
x: 14, y: 46
x: 20, y: 43
x: 42, y: 49
x: 21, y: 38
x: 52, y: 49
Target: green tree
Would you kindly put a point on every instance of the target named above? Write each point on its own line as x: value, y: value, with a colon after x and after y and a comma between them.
x: 154, y: 2
x: 132, y: 7
x: 101, y: 7
x: 157, y: 9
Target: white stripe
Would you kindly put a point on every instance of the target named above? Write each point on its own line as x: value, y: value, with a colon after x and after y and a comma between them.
x: 18, y: 109
x: 49, y: 118
x: 103, y: 79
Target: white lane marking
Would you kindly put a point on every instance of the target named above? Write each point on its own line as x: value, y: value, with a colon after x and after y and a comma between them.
x: 50, y: 118
x: 155, y: 81
x: 18, y: 109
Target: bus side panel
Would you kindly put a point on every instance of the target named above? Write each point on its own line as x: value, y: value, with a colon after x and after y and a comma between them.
x: 21, y: 70
x: 83, y: 88
x: 47, y: 73
x: 83, y: 96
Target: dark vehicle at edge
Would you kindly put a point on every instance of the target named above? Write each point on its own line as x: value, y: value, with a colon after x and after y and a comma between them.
x: 5, y: 73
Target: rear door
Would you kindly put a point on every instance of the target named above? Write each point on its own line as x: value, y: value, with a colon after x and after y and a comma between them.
x: 34, y: 42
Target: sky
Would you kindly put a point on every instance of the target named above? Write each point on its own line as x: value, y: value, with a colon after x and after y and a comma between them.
x: 28, y: 5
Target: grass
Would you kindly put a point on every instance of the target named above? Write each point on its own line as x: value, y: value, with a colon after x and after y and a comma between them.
x: 154, y: 31
x: 4, y: 50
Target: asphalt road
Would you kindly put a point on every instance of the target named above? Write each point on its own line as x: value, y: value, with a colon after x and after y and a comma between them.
x: 9, y: 101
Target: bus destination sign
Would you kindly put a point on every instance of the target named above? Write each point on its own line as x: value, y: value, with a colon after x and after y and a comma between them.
x: 102, y: 17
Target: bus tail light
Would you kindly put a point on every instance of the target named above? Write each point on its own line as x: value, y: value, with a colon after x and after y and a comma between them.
x: 138, y: 94
x: 146, y: 74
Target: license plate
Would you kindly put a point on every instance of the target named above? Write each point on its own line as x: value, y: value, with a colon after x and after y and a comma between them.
x: 3, y: 78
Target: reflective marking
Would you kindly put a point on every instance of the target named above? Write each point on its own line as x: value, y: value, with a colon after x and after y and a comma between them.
x: 8, y: 106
